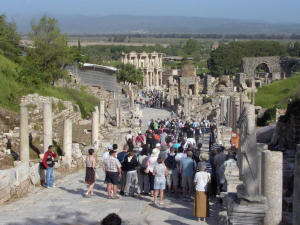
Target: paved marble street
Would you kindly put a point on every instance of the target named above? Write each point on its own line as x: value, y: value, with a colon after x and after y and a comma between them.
x: 65, y: 204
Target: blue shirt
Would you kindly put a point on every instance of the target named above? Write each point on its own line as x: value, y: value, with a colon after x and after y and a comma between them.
x: 188, y: 166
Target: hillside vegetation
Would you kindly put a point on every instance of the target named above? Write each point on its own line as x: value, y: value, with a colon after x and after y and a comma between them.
x: 12, y: 90
x: 278, y: 93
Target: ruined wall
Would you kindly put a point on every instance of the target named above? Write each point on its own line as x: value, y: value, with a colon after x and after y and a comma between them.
x: 249, y: 64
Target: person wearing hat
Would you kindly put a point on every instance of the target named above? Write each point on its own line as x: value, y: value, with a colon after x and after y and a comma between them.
x: 201, y: 180
x: 139, y: 139
x: 151, y: 163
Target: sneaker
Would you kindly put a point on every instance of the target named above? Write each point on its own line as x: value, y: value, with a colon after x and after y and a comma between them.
x: 121, y: 192
x: 54, y: 186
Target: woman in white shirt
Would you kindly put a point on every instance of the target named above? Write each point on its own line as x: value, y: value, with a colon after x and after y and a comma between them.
x: 202, y: 178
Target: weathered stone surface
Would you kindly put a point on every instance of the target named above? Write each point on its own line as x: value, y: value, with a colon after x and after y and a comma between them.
x: 4, y: 194
x: 296, y: 194
x: 34, y: 174
x: 272, y: 186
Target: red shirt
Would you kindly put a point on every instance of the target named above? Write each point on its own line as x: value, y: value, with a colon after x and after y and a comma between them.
x: 53, y: 154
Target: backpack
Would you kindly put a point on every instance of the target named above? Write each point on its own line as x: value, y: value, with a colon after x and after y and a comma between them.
x: 170, y: 162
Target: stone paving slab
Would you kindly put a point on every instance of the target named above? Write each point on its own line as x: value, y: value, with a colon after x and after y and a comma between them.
x: 65, y: 204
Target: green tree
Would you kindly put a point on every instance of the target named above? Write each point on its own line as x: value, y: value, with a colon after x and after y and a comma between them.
x: 50, y: 51
x: 128, y: 72
x: 191, y: 47
x: 9, y: 39
x: 227, y: 59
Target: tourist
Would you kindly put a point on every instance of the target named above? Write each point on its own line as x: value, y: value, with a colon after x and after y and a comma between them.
x: 219, y: 159
x: 187, y: 169
x: 151, y: 163
x: 129, y: 140
x: 143, y: 177
x: 173, y: 173
x: 112, y: 169
x: 111, y: 219
x: 163, y: 136
x: 121, y: 157
x: 139, y: 139
x: 90, y: 177
x: 130, y: 164
x: 106, y: 154
x: 160, y: 172
x: 201, y: 204
x: 48, y: 162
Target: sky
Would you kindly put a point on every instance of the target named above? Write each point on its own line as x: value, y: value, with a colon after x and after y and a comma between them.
x: 257, y: 10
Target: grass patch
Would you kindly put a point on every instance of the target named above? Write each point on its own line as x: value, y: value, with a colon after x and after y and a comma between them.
x: 12, y: 91
x: 278, y: 93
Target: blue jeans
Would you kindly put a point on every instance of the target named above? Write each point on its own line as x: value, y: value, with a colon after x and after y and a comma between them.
x: 50, y: 177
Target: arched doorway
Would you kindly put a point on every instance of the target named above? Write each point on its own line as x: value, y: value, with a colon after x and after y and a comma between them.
x: 262, y: 75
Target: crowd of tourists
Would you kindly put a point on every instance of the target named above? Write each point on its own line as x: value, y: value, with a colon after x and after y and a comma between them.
x: 166, y: 159
x: 152, y: 99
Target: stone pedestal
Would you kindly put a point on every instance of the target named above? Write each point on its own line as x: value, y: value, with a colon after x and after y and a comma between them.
x: 272, y: 167
x: 102, y: 113
x: 67, y: 143
x: 95, y: 131
x: 47, y: 125
x: 296, y: 194
x: 24, y: 135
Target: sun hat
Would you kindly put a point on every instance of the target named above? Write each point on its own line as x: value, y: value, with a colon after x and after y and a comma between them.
x: 155, y: 153
x: 157, y: 145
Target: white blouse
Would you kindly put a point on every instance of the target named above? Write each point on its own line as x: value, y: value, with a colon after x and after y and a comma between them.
x: 201, y: 180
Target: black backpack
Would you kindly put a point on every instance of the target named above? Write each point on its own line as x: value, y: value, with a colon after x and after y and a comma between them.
x: 170, y: 162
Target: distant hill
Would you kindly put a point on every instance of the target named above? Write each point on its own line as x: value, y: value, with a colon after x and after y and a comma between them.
x: 79, y: 24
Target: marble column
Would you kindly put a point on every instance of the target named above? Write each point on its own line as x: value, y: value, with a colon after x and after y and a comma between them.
x: 131, y: 99
x: 67, y: 143
x: 186, y: 105
x: 150, y: 79
x: 95, y: 131
x: 24, y: 135
x: 102, y: 113
x: 196, y: 88
x: 271, y: 180
x: 47, y: 125
x: 171, y: 95
x: 296, y: 194
x: 120, y: 113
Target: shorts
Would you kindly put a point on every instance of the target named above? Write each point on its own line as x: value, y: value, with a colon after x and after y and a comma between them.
x: 187, y: 182
x: 160, y: 183
x: 112, y: 178
x: 173, y: 177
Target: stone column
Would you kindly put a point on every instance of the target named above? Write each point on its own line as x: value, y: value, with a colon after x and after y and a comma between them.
x: 150, y: 79
x: 131, y: 99
x: 47, y: 125
x: 120, y: 113
x: 272, y: 166
x: 196, y: 88
x: 67, y: 143
x: 171, y: 95
x: 24, y: 135
x: 296, y: 194
x: 157, y: 79
x: 186, y: 105
x: 95, y: 134
x: 101, y: 113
